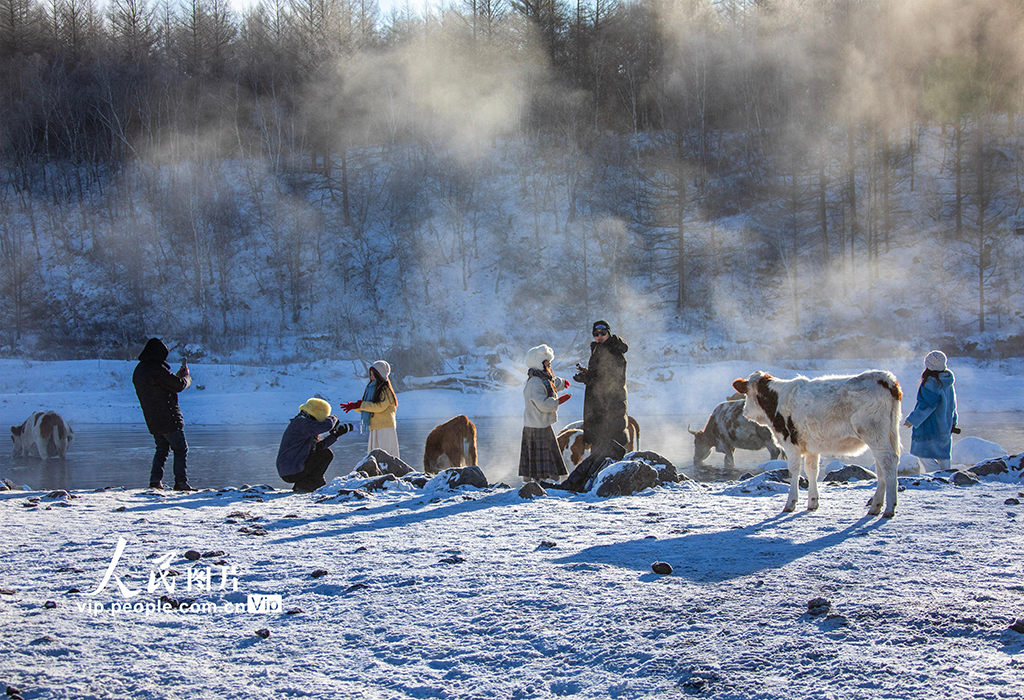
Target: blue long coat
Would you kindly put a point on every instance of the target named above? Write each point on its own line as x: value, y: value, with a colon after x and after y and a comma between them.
x: 933, y: 418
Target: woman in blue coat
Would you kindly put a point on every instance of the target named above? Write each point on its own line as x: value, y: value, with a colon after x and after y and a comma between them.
x: 934, y: 417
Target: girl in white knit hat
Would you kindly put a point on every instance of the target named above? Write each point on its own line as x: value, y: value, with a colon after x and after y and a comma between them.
x: 539, y: 456
x: 934, y: 417
x: 378, y: 406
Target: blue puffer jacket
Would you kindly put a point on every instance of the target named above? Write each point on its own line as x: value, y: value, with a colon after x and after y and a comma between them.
x: 934, y: 417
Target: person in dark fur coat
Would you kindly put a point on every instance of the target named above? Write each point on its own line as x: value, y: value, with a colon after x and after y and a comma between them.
x: 605, y: 402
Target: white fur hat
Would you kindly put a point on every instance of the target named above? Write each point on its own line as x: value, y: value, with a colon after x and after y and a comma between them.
x: 535, y: 356
x: 383, y: 368
x: 935, y: 361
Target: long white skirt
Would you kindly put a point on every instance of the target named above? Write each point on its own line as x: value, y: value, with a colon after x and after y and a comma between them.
x: 384, y: 439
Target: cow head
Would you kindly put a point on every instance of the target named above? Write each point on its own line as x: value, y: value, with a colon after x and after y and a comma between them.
x: 752, y: 388
x: 17, y: 437
x: 702, y: 446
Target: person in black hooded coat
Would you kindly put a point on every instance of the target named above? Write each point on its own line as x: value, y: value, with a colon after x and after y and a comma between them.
x: 158, y: 388
x: 605, y: 402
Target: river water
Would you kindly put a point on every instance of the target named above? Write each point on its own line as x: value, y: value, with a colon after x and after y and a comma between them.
x: 120, y: 455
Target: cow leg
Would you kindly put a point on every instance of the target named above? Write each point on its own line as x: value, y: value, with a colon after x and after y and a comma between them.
x: 794, y: 483
x: 42, y: 444
x: 730, y: 461
x: 811, y: 470
x: 887, y: 465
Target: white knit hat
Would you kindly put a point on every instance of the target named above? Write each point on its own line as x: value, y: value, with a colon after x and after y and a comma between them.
x: 535, y: 356
x: 935, y: 361
x: 383, y: 368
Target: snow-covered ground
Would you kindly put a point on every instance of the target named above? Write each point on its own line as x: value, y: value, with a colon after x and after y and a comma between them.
x: 480, y: 594
x: 433, y: 593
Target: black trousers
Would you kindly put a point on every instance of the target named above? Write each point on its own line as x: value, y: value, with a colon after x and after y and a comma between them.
x: 312, y: 476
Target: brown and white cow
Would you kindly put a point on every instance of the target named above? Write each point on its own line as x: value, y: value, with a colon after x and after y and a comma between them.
x: 451, y: 444
x: 45, y: 434
x: 832, y: 415
x: 571, y: 438
x: 728, y: 429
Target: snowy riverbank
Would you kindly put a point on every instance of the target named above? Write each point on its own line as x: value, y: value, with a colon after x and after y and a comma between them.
x: 100, y: 391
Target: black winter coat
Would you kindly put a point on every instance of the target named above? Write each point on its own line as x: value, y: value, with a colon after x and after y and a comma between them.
x: 157, y: 388
x: 605, y: 403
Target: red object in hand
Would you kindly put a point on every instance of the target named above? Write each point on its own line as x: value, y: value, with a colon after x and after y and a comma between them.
x: 351, y: 405
x: 566, y: 383
x: 563, y: 398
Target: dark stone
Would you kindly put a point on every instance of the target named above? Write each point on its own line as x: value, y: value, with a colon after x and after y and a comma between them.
x: 120, y: 509
x: 378, y: 483
x: 293, y: 611
x: 581, y: 478
x: 74, y: 590
x: 818, y: 606
x: 990, y: 467
x: 963, y: 478
x: 50, y: 605
x: 417, y: 481
x: 263, y: 633
x: 465, y: 476
x: 369, y: 467
x: 631, y: 477
x: 1018, y: 626
x: 1011, y: 502
x: 168, y: 600
x: 354, y: 587
x: 532, y: 490
x: 662, y: 568
x: 453, y: 559
x: 216, y: 553
x: 849, y: 472
x: 546, y: 544
x: 193, y: 555
x: 667, y: 473
x: 11, y: 690
x: 389, y: 464
x: 318, y: 573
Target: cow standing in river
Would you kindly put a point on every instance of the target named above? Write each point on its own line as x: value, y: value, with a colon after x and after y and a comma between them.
x: 726, y: 430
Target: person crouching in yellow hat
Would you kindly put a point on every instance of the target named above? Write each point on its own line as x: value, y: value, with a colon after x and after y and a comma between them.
x: 304, y: 456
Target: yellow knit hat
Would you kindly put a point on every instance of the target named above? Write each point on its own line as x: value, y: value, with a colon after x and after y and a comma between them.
x: 318, y: 408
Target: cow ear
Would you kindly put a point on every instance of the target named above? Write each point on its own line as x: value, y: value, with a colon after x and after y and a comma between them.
x: 740, y: 385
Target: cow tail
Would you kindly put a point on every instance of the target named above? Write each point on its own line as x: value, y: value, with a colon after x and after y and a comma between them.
x: 894, y: 426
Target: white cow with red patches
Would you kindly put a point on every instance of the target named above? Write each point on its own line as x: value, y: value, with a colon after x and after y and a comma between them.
x: 832, y: 415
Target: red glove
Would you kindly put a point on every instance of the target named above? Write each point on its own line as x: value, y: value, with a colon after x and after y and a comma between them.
x: 351, y: 405
x: 563, y: 398
x: 566, y: 383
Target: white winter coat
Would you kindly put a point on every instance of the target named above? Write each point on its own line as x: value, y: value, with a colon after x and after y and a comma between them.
x: 541, y: 409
